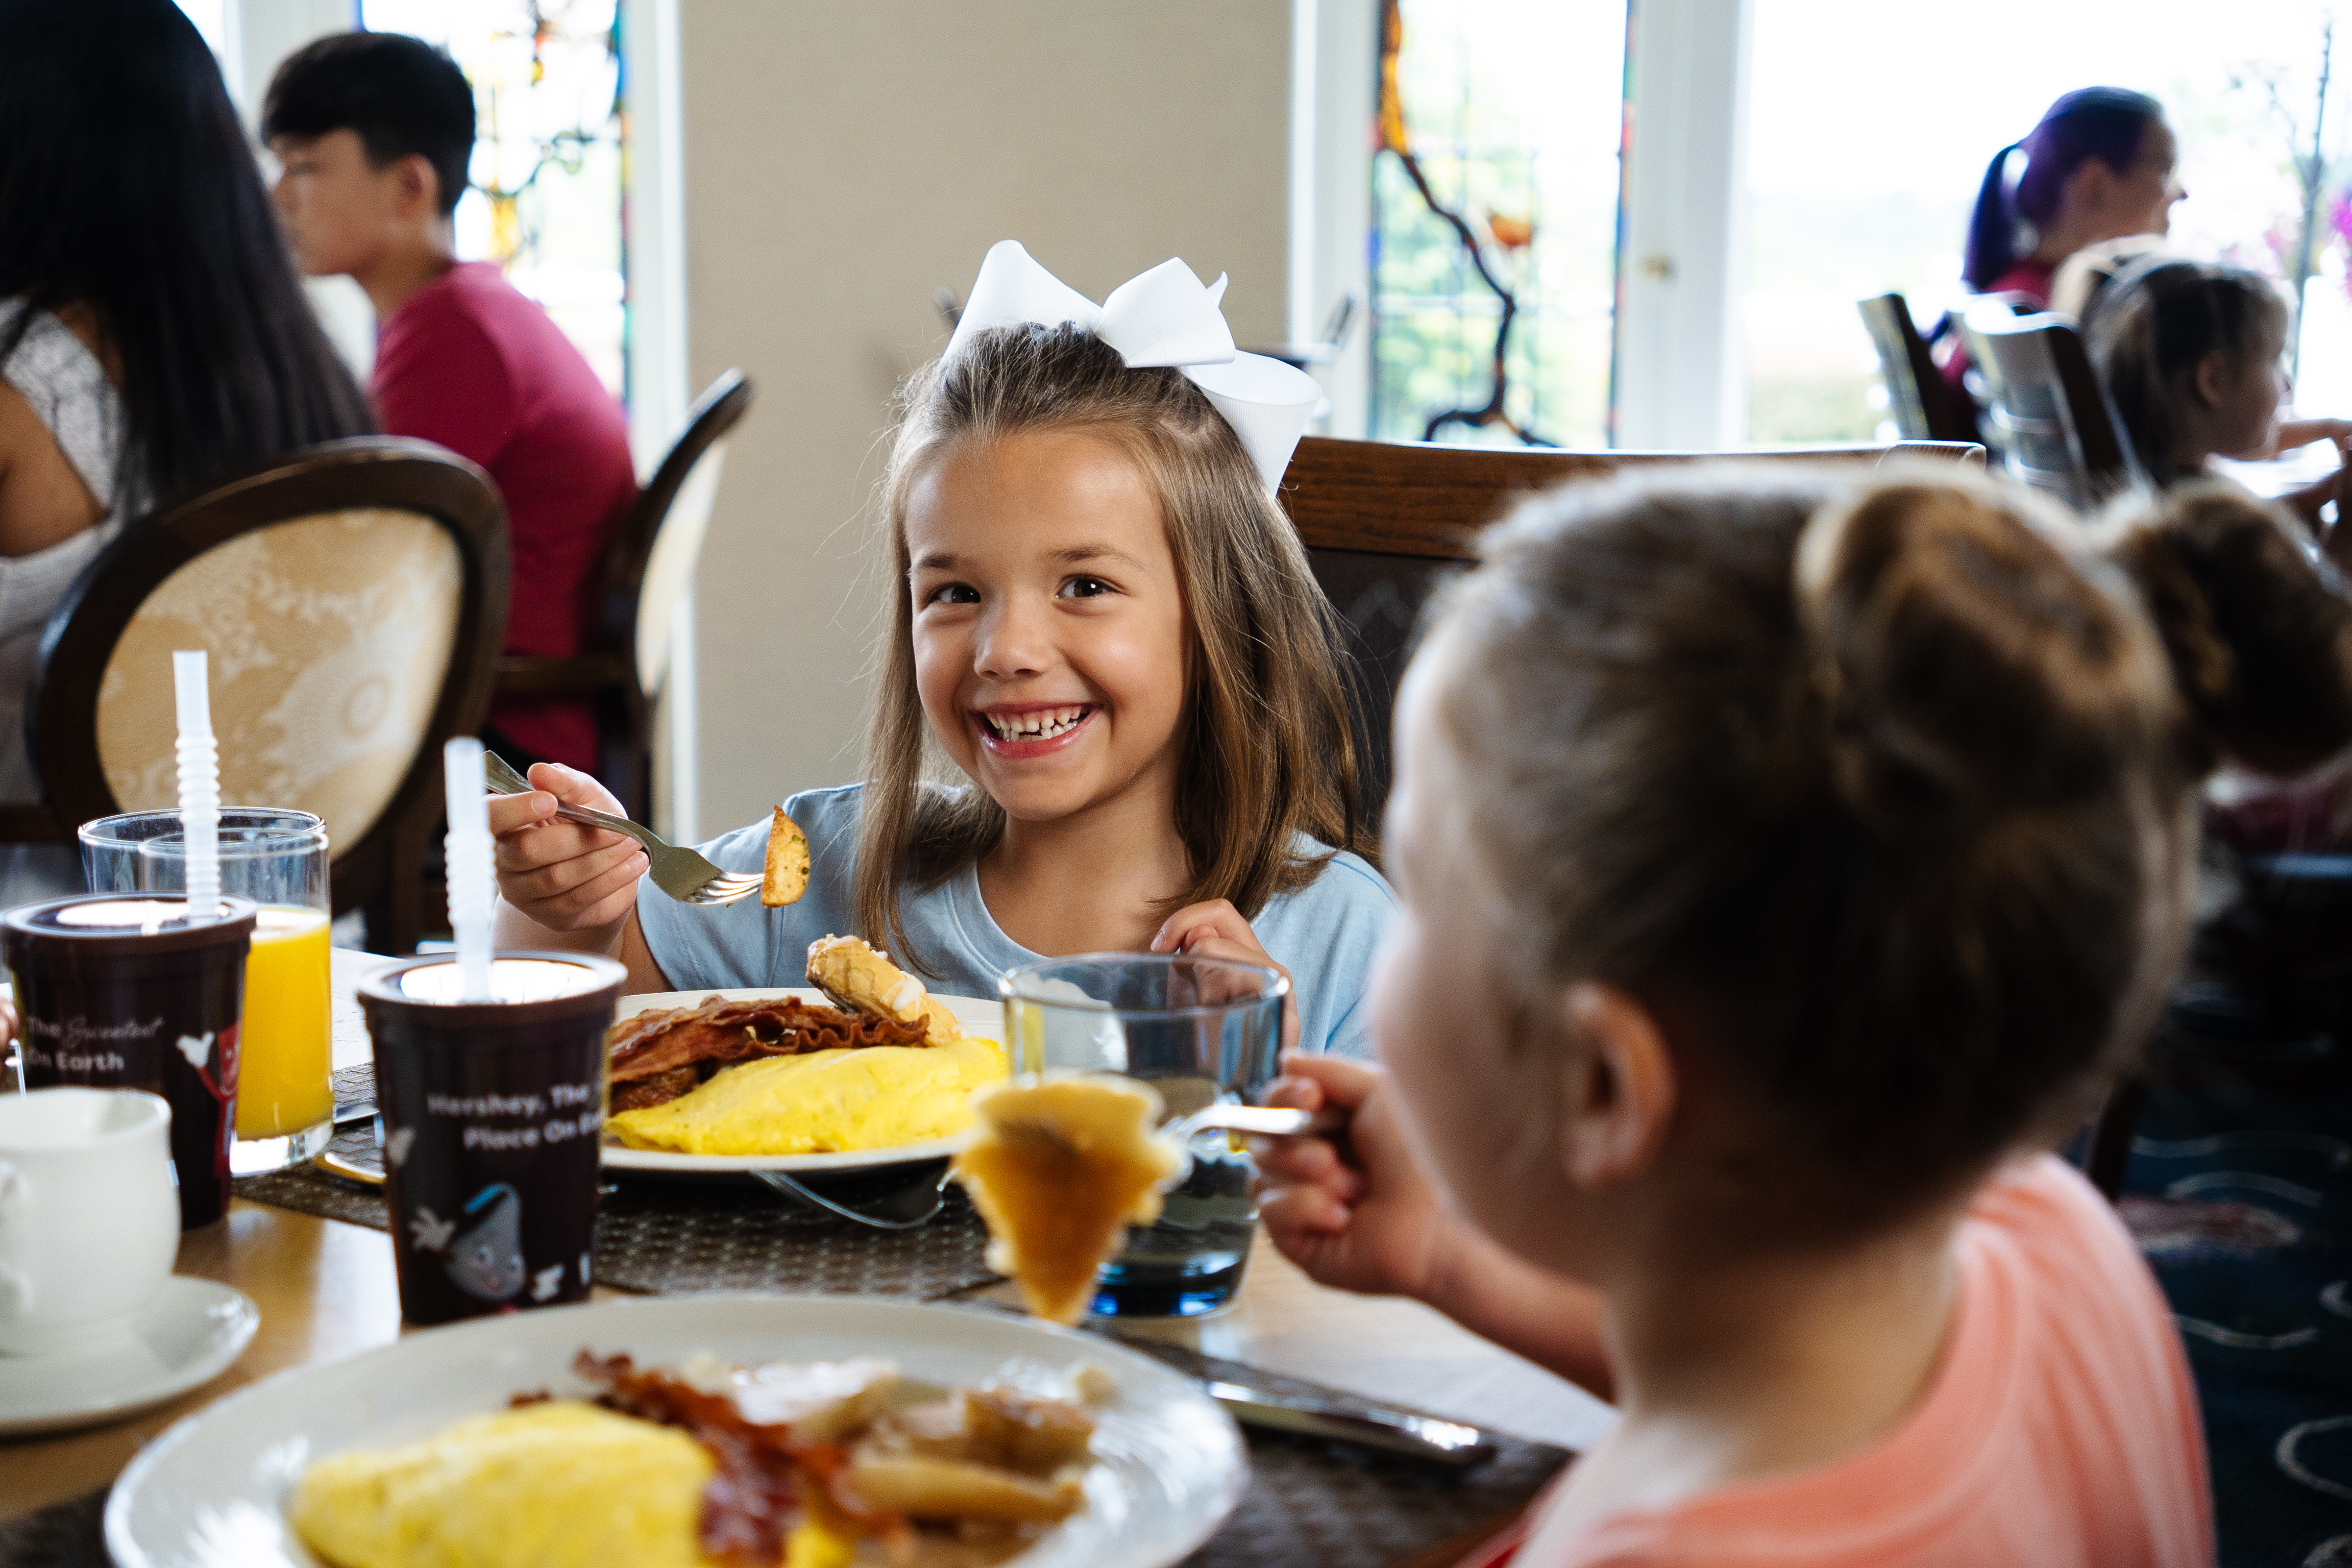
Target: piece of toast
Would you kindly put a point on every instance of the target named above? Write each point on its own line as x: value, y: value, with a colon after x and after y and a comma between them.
x: 1059, y: 1168
x: 858, y: 977
x: 787, y: 873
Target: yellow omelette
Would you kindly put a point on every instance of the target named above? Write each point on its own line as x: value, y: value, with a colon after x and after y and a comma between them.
x: 823, y: 1102
x: 558, y: 1485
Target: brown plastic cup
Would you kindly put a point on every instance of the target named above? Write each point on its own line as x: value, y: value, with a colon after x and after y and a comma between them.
x: 493, y: 1113
x: 122, y: 990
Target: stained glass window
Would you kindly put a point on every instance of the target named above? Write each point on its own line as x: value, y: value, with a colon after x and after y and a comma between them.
x: 549, y: 154
x: 1510, y: 113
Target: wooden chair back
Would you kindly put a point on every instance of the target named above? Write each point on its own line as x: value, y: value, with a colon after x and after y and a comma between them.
x: 1385, y: 522
x: 2048, y: 417
x: 351, y: 596
x: 1926, y: 406
x: 649, y: 573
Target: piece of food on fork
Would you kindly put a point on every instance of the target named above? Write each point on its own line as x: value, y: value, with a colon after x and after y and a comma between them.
x: 1059, y: 1168
x: 859, y: 977
x: 786, y: 876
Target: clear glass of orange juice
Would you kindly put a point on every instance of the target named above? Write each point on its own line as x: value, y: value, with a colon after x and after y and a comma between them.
x: 285, y: 1098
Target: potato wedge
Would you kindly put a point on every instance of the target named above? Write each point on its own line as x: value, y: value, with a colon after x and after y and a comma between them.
x: 923, y: 1487
x: 785, y: 878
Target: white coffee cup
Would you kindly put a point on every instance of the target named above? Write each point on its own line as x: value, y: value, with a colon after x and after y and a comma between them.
x: 90, y: 1218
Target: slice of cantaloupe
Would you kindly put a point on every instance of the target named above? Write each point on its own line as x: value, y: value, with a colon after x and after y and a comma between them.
x: 1059, y: 1168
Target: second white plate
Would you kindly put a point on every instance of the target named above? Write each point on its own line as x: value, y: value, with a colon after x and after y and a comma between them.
x: 211, y: 1491
x: 985, y: 1018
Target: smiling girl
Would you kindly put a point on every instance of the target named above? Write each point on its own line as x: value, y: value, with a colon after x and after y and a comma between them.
x: 1105, y: 626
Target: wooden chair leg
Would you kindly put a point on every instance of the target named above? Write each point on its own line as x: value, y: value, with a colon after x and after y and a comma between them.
x: 2111, y: 1136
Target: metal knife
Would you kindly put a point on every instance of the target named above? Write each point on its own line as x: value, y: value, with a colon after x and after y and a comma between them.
x: 1391, y: 1431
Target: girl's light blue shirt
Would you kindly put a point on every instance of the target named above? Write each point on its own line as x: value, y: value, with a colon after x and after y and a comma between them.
x: 1325, y: 933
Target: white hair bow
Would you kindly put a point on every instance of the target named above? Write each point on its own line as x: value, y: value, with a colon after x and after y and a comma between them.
x: 1164, y: 317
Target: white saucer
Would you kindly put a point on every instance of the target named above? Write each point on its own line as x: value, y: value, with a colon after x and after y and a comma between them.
x: 185, y: 1337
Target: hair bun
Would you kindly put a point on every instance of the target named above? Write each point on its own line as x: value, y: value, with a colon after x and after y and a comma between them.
x: 1965, y: 665
x: 2259, y: 635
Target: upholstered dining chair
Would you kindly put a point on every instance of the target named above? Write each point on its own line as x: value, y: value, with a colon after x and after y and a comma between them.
x: 2048, y: 417
x: 647, y: 575
x: 1383, y: 520
x: 351, y: 597
x: 1926, y: 406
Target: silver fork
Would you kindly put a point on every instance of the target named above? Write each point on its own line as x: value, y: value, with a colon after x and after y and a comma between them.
x: 681, y: 873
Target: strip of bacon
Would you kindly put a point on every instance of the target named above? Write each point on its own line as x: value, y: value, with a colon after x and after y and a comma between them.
x: 765, y: 1479
x: 663, y: 1040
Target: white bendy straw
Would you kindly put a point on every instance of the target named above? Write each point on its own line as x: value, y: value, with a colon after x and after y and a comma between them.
x: 199, y: 785
x: 466, y: 854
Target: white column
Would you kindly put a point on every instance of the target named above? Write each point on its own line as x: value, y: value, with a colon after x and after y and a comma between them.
x: 263, y: 33
x: 1682, y: 266
x: 1333, y: 63
x: 659, y: 392
x: 266, y: 31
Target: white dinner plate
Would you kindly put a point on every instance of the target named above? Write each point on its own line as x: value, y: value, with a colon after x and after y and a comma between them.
x: 211, y: 1491
x: 973, y: 1014
x: 185, y: 1336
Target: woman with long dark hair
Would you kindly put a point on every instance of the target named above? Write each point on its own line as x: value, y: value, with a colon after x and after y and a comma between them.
x: 2098, y: 166
x: 153, y: 339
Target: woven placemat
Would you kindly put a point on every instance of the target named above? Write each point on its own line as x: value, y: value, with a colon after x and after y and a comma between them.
x: 307, y: 1189
x: 678, y: 1238
x: 691, y: 1238
x: 353, y: 1084
x: 1343, y: 1507
x: 70, y: 1534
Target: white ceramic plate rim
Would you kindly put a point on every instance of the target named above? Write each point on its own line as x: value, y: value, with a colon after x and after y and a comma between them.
x: 346, y: 1392
x: 180, y: 1293
x: 977, y: 1016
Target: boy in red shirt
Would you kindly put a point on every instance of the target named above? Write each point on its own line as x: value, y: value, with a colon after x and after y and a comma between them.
x: 374, y: 131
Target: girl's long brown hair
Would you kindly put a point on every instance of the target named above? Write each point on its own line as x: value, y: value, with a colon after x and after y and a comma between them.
x: 1267, y: 753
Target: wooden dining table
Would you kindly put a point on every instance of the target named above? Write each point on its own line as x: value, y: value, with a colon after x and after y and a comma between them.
x: 326, y: 1290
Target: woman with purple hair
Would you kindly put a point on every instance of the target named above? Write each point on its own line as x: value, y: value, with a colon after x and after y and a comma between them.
x: 2099, y: 166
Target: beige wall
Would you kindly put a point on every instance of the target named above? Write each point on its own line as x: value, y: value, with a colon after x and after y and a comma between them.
x: 844, y: 160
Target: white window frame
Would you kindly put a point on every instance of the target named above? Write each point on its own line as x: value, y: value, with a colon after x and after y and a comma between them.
x: 1677, y: 381
x: 1335, y: 64
x: 659, y: 392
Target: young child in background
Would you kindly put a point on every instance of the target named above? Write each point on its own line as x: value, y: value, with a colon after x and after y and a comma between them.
x: 1102, y: 619
x: 2193, y: 355
x: 1785, y: 867
x: 374, y: 131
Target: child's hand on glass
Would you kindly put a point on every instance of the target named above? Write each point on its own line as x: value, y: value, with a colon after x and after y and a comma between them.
x: 1355, y: 1212
x: 1216, y: 930
x: 559, y: 874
